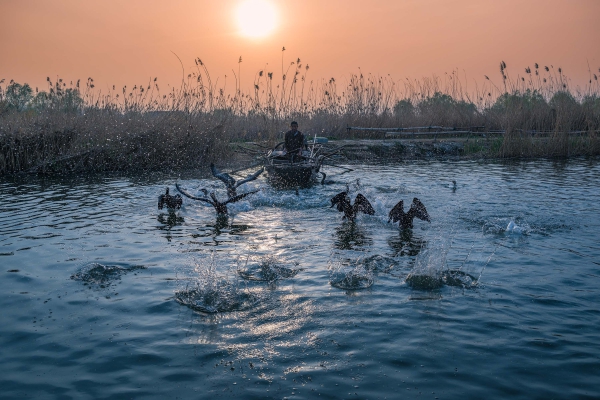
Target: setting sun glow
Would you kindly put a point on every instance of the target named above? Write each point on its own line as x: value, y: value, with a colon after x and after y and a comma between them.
x: 256, y: 18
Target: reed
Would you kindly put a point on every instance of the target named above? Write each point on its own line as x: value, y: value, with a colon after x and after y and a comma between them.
x: 70, y: 127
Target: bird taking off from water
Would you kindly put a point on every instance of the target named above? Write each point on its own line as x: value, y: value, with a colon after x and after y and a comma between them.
x: 231, y: 183
x: 361, y: 204
x: 417, y: 209
x: 210, y: 198
x: 170, y: 201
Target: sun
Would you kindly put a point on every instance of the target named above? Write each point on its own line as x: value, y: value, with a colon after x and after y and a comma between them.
x: 256, y: 18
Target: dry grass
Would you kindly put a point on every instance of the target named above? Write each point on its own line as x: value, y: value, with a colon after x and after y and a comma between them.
x: 101, y: 140
x: 73, y: 127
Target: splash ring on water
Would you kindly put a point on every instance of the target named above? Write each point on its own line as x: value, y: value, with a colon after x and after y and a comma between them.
x: 352, y: 281
x: 266, y: 272
x: 102, y: 275
x: 216, y: 299
x: 436, y: 281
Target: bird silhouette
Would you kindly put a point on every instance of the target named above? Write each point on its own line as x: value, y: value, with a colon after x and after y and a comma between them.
x: 361, y: 204
x: 210, y: 198
x: 231, y: 183
x: 417, y: 209
x: 170, y: 201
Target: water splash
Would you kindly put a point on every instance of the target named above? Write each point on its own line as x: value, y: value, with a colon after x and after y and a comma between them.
x: 431, y: 270
x: 438, y: 280
x: 220, y: 296
x: 512, y: 227
x: 210, y: 291
x: 100, y: 275
x: 503, y: 225
x: 267, y: 269
x: 350, y: 274
x: 378, y: 263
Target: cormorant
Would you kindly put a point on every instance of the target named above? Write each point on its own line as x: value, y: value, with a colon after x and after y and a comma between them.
x: 417, y: 209
x: 210, y: 198
x: 231, y: 183
x: 361, y: 204
x: 170, y: 201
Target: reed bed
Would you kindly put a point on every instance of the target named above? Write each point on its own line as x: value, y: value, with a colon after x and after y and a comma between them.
x: 75, y: 127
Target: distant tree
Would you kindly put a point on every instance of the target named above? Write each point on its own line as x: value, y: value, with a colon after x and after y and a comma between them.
x: 444, y: 110
x: 510, y: 102
x: 18, y: 96
x: 591, y: 108
x: 404, y: 109
x: 564, y: 101
x: 568, y: 112
x: 41, y: 101
x: 68, y: 100
x: 521, y: 110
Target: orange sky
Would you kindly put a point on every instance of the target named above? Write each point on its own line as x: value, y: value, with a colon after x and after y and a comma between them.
x: 128, y: 41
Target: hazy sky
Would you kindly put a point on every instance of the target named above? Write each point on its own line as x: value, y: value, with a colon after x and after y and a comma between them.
x: 128, y: 41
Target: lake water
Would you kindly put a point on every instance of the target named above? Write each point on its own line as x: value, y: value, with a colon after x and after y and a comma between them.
x: 105, y: 296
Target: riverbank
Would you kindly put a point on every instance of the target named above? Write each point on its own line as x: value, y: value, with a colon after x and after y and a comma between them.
x: 352, y: 151
x: 403, y: 149
x: 454, y: 148
x: 382, y: 150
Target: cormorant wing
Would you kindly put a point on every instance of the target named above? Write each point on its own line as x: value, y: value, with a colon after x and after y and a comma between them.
x: 177, y: 201
x: 226, y: 178
x: 397, y: 212
x: 342, y: 200
x: 161, y: 201
x: 239, y: 197
x: 362, y: 204
x: 249, y: 177
x: 186, y: 194
x: 418, y: 210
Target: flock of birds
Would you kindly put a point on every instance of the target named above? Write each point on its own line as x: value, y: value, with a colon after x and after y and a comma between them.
x: 342, y: 201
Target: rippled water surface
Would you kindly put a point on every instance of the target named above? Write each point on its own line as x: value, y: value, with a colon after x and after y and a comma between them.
x: 105, y: 296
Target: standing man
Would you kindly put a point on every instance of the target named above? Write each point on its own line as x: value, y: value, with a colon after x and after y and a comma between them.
x: 294, y: 142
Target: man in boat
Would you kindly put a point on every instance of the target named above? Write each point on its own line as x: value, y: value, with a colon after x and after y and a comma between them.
x: 294, y: 142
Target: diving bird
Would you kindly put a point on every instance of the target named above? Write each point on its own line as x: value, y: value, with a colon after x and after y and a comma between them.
x: 231, y: 183
x: 170, y: 201
x: 361, y: 204
x: 210, y: 198
x: 417, y: 209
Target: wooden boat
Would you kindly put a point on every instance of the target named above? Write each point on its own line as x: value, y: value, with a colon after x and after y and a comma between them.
x: 282, y: 171
x: 302, y: 171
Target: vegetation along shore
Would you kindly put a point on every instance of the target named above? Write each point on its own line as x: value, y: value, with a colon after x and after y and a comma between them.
x: 72, y: 127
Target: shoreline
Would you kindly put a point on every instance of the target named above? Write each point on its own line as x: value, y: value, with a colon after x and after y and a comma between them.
x: 353, y: 151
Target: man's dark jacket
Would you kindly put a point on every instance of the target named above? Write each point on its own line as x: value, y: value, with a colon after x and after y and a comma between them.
x: 294, y: 142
